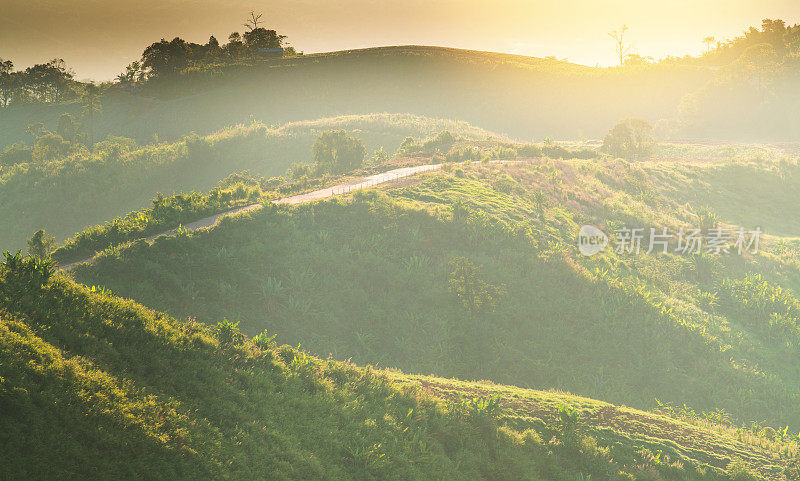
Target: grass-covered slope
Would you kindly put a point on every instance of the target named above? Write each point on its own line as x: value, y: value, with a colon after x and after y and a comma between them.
x: 675, y: 437
x: 93, y: 386
x: 522, y: 96
x: 381, y: 279
x: 96, y: 387
x: 67, y: 195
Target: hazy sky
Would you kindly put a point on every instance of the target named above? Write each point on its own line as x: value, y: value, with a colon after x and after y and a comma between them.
x: 98, y: 38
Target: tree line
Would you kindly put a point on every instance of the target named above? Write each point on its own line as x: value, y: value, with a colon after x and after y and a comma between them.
x: 54, y: 81
x: 49, y: 82
x: 782, y: 39
x: 167, y: 59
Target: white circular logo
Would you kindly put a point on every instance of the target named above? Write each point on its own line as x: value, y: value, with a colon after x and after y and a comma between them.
x: 591, y: 240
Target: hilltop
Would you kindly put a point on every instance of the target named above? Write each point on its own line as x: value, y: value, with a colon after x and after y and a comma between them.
x: 524, y: 97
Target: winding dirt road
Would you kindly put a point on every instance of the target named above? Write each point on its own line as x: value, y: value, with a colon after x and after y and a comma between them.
x: 338, y: 189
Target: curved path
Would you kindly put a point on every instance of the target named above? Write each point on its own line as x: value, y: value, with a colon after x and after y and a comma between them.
x: 338, y: 189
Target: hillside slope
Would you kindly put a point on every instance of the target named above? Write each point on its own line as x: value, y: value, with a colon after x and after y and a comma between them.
x: 121, y: 177
x: 525, y: 97
x: 92, y: 386
x: 377, y: 278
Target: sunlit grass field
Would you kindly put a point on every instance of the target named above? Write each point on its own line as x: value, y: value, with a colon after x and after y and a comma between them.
x: 98, y: 386
x: 368, y: 277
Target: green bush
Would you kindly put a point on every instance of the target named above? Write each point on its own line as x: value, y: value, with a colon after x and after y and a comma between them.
x: 630, y: 139
x: 49, y: 147
x: 15, y: 154
x: 335, y: 151
x: 164, y: 214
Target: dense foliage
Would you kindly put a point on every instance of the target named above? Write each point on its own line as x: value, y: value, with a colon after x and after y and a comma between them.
x: 375, y: 280
x: 118, y: 176
x: 630, y: 139
x: 50, y: 82
x: 93, y: 386
x: 335, y: 151
x: 165, y: 214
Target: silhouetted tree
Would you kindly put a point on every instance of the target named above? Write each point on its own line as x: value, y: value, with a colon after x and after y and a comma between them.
x: 133, y: 73
x: 709, y: 41
x: 636, y: 59
x: 263, y: 38
x: 47, y: 82
x: 619, y: 38
x: 212, y: 48
x: 253, y: 21
x: 164, y: 59
x: 235, y: 45
x: 6, y: 67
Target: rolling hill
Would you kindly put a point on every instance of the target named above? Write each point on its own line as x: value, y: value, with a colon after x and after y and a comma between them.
x: 122, y: 176
x: 375, y: 277
x: 93, y: 386
x: 524, y: 97
x: 215, y: 306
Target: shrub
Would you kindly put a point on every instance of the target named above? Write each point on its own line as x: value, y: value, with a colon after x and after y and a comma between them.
x: 335, y: 151
x: 228, y: 333
x: 15, y: 154
x: 443, y: 142
x: 40, y: 244
x: 707, y: 219
x: 264, y: 340
x: 474, y: 293
x: 408, y: 146
x: 468, y: 154
x: 630, y: 139
x: 49, y: 147
x: 23, y: 277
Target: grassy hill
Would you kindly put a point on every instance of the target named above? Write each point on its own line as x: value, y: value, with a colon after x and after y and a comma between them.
x: 121, y: 177
x: 523, y: 97
x: 377, y: 278
x: 93, y: 386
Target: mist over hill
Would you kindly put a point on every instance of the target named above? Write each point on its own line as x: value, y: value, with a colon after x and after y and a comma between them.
x: 527, y: 98
x: 237, y: 261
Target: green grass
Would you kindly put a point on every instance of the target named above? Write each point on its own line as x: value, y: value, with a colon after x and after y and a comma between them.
x: 95, y: 386
x: 115, y: 180
x: 629, y: 431
x: 370, y: 279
